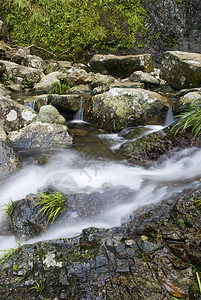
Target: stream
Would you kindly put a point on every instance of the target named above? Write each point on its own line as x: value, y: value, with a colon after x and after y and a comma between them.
x: 90, y: 165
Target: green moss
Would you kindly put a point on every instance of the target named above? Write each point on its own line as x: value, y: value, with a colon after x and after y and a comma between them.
x: 75, y: 26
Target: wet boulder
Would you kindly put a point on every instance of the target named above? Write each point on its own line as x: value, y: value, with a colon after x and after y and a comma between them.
x: 121, y: 66
x: 123, y: 107
x: 182, y: 70
x: 15, y: 115
x: 49, y: 114
x: 40, y: 135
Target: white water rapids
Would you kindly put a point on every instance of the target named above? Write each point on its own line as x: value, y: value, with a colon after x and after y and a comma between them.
x: 152, y: 185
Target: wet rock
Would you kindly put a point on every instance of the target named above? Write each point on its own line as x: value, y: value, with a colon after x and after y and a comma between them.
x: 47, y: 82
x: 39, y: 135
x: 14, y: 115
x: 148, y: 148
x: 18, y: 74
x: 66, y: 103
x: 139, y: 259
x: 122, y: 66
x: 26, y: 223
x: 49, y: 114
x: 181, y: 69
x: 120, y: 108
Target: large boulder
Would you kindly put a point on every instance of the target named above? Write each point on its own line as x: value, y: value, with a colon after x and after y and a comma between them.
x: 15, y: 115
x: 18, y: 74
x: 119, y: 108
x: 40, y: 135
x: 181, y: 69
x: 47, y: 83
x: 121, y: 66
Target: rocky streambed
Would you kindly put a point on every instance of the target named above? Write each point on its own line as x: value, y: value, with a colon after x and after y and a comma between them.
x: 130, y: 226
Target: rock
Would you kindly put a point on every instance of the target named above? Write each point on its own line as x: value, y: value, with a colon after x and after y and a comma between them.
x: 181, y: 69
x: 24, y: 76
x: 14, y: 115
x: 2, y: 29
x: 67, y: 103
x: 47, y: 82
x: 79, y: 89
x: 181, y: 102
x: 41, y: 136
x: 77, y: 76
x: 121, y: 66
x: 146, y: 78
x: 128, y: 84
x: 157, y: 247
x: 19, y: 55
x: 120, y: 108
x: 148, y: 148
x: 9, y: 160
x: 2, y: 49
x: 33, y: 61
x: 49, y: 114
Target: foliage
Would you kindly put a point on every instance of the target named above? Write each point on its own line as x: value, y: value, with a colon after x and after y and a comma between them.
x: 75, y: 26
x: 52, y: 205
x: 8, y: 252
x: 39, y: 287
x: 60, y: 88
x: 8, y: 209
x: 190, y: 120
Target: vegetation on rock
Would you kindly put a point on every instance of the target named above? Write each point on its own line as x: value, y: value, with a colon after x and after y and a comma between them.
x: 52, y: 205
x: 190, y: 120
x: 74, y: 26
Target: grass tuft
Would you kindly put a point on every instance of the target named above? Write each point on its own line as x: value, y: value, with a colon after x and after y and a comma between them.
x: 52, y: 205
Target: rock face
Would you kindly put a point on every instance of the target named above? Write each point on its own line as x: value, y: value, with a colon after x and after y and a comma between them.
x: 39, y: 135
x: 122, y: 66
x: 148, y: 257
x: 120, y: 108
x: 14, y: 115
x: 181, y: 69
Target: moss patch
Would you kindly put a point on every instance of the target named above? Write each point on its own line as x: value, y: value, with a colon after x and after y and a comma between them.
x: 74, y: 27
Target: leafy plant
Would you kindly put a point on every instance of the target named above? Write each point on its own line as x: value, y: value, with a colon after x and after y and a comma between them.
x: 39, y: 287
x: 8, y: 209
x: 52, y: 205
x: 60, y: 88
x: 190, y: 120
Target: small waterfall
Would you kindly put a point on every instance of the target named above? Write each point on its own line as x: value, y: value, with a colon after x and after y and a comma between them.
x: 31, y: 104
x: 169, y: 117
x: 80, y: 113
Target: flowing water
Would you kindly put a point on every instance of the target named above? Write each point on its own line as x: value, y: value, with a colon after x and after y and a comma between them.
x: 88, y: 166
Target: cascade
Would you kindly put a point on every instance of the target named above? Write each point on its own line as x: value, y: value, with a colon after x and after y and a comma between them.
x: 80, y: 113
